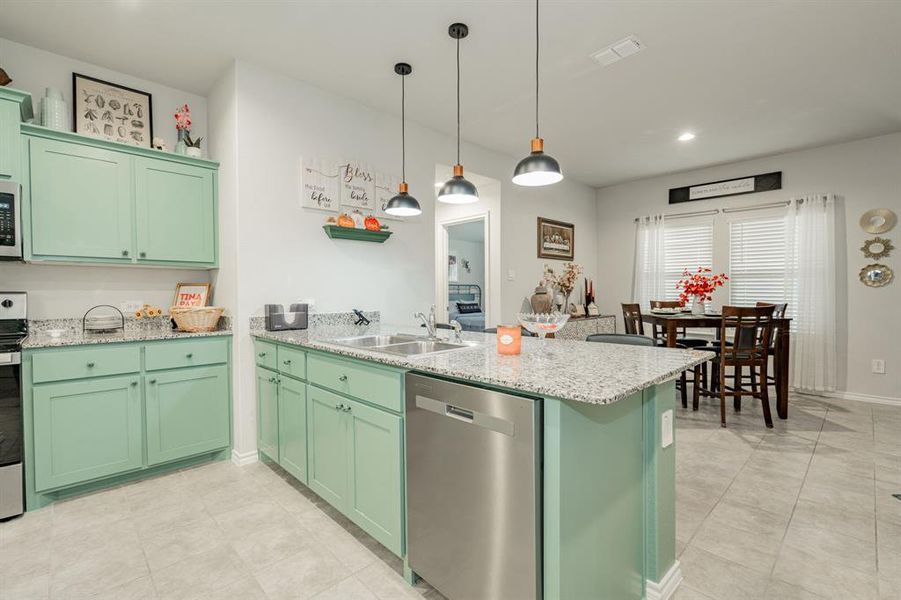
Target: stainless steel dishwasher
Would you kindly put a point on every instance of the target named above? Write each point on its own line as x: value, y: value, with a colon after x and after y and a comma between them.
x: 473, y: 490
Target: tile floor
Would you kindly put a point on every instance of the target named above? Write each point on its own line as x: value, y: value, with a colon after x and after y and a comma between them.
x: 804, y: 511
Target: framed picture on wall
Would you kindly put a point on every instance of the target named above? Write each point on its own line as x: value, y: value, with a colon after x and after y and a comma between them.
x: 453, y: 268
x: 189, y: 295
x: 111, y: 112
x: 556, y: 239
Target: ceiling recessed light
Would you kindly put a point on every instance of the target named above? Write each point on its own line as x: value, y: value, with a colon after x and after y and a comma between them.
x: 686, y: 137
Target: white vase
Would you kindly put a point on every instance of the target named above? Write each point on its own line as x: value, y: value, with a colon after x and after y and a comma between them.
x: 697, y: 306
x: 194, y: 152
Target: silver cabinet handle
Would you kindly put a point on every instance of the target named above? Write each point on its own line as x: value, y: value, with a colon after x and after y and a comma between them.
x: 347, y: 409
x: 143, y: 255
x: 339, y: 407
x: 342, y: 378
x: 90, y: 365
x: 189, y: 355
x: 261, y: 354
x: 134, y: 383
x: 287, y: 362
x: 272, y: 380
x: 153, y: 381
x: 125, y: 253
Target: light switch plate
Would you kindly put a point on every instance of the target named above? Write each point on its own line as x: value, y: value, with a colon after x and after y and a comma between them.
x: 666, y: 429
x: 511, y: 274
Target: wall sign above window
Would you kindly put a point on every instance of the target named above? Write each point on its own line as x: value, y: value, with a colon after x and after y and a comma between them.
x: 727, y: 187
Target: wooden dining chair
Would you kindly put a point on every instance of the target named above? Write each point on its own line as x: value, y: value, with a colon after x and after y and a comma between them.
x: 779, y: 310
x: 752, y: 330
x: 632, y: 322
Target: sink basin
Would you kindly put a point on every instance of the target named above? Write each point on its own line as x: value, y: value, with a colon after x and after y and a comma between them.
x: 402, y: 344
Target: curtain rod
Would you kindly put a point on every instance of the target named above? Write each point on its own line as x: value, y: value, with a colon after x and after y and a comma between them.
x: 715, y: 211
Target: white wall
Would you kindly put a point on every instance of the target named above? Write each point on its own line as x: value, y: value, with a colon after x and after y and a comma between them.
x: 282, y: 252
x: 33, y: 70
x: 474, y: 253
x: 864, y: 174
x: 68, y: 291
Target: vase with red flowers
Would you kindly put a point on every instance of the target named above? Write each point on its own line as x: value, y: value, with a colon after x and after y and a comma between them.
x: 183, y: 127
x: 699, y: 287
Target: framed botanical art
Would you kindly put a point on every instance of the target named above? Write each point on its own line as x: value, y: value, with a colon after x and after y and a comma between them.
x: 556, y: 239
x: 191, y: 295
x: 111, y: 112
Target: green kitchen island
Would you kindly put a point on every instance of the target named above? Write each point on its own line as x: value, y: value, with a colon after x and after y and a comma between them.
x: 333, y: 417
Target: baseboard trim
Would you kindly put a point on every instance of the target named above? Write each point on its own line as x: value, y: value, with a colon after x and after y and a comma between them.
x: 246, y: 458
x: 854, y: 397
x: 666, y: 588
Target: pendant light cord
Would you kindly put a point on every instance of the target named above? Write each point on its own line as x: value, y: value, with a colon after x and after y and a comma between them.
x: 403, y: 131
x: 536, y: 69
x: 458, y: 101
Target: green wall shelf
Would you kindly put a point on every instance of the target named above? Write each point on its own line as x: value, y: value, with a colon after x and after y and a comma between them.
x: 362, y: 235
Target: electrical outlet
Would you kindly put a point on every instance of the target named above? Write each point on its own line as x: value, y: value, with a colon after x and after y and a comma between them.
x: 666, y: 429
x: 878, y: 366
x: 511, y: 275
x: 129, y: 307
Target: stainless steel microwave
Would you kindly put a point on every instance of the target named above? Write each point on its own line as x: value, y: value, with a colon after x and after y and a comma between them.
x: 10, y: 220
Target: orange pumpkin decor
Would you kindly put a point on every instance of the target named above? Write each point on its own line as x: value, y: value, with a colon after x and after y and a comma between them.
x: 345, y: 220
x: 372, y: 224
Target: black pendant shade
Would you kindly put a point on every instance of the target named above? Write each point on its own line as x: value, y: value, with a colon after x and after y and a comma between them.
x: 403, y: 204
x: 457, y: 190
x: 537, y: 168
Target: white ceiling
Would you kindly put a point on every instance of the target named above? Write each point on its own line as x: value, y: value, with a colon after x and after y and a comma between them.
x: 750, y: 78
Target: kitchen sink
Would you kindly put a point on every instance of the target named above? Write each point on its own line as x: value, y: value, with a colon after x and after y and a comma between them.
x: 403, y: 345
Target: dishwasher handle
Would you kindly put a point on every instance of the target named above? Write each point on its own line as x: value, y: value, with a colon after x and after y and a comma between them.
x: 464, y: 415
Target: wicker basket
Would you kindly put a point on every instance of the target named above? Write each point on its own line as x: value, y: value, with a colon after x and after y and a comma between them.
x: 196, y: 319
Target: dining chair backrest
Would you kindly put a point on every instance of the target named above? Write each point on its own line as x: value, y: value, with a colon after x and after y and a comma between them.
x: 779, y: 308
x: 632, y: 319
x: 753, y: 326
x: 625, y: 339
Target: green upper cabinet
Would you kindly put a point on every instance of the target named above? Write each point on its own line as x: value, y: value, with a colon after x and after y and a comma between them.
x: 176, y: 212
x: 80, y: 202
x: 85, y: 430
x: 292, y: 427
x: 187, y: 412
x: 15, y: 107
x: 267, y: 413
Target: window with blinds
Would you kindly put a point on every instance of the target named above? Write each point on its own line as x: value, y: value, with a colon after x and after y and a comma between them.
x: 688, y: 245
x: 757, y: 261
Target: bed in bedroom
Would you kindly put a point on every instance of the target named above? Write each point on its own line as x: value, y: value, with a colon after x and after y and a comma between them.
x: 464, y: 305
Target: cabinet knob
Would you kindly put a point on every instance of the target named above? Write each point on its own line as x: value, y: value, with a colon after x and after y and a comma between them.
x: 134, y: 383
x: 342, y: 378
x: 346, y: 408
x: 261, y: 354
x: 153, y: 381
x: 143, y: 255
x: 189, y: 355
x: 339, y: 407
x: 90, y: 365
x: 125, y: 253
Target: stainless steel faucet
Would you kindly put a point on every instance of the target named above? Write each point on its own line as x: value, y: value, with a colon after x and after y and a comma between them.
x: 430, y: 322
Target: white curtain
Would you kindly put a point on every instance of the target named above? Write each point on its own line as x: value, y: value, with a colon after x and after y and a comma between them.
x: 648, y: 274
x: 810, y: 291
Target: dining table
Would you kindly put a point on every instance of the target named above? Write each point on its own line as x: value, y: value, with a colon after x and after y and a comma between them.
x: 671, y: 323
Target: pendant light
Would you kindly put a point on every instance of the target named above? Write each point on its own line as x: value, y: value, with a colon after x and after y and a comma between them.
x: 537, y: 168
x: 457, y: 190
x: 403, y: 204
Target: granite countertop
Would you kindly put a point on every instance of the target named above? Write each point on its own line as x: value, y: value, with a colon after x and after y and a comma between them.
x: 588, y: 372
x: 39, y: 338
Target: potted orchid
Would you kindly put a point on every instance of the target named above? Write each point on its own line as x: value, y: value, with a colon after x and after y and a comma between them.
x: 183, y: 127
x: 699, y: 287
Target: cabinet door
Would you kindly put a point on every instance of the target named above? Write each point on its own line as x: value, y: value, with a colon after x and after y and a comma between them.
x: 176, y: 212
x: 86, y: 429
x: 292, y: 427
x: 327, y: 433
x: 81, y: 202
x: 9, y: 140
x: 375, y: 501
x: 187, y: 412
x: 267, y: 413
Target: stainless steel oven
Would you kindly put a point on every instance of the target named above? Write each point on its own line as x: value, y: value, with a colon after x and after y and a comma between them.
x: 10, y: 220
x: 13, y: 329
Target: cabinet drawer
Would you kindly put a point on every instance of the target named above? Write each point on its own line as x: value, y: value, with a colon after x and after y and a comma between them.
x: 379, y: 386
x: 185, y: 353
x: 265, y: 354
x: 292, y: 362
x: 86, y: 362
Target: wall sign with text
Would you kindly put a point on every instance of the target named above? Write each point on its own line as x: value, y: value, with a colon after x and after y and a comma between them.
x: 320, y: 184
x: 727, y: 187
x: 357, y: 185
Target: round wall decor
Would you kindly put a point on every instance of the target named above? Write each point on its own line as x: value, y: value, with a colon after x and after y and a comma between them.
x: 878, y: 220
x: 877, y: 248
x: 876, y: 275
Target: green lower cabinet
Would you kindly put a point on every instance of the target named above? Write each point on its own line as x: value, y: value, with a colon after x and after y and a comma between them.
x: 267, y: 413
x: 187, y: 412
x: 292, y: 427
x: 376, y: 489
x: 85, y: 430
x: 327, y: 434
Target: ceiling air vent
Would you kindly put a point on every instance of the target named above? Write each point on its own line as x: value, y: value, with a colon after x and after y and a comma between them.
x: 618, y: 50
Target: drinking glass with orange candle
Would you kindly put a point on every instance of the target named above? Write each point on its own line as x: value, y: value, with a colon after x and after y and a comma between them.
x: 509, y: 340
